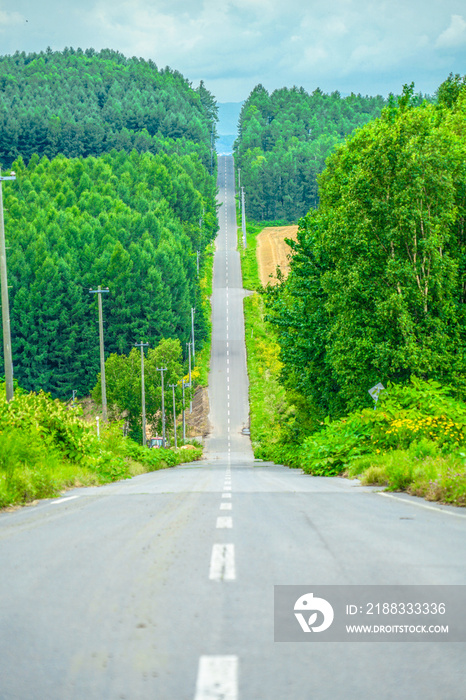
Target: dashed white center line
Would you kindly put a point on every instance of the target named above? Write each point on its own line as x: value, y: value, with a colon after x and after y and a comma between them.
x: 217, y: 678
x: 226, y: 495
x: 224, y: 522
x: 225, y: 506
x: 222, y: 563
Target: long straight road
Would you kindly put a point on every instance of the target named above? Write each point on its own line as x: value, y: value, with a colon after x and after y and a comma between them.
x: 163, y: 586
x: 228, y: 381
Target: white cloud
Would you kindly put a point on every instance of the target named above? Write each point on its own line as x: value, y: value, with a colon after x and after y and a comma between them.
x: 361, y: 45
x: 455, y: 35
x: 8, y: 19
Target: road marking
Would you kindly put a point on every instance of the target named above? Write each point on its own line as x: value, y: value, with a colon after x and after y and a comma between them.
x: 62, y: 500
x: 224, y: 522
x: 421, y: 505
x: 217, y: 678
x: 225, y: 506
x: 226, y: 495
x: 222, y: 563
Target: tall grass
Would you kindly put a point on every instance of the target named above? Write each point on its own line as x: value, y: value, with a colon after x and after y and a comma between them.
x: 249, y: 264
x: 203, y: 357
x: 267, y: 398
x: 420, y: 470
x: 46, y: 448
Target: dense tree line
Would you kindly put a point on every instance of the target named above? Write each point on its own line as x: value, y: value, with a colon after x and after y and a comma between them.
x: 85, y: 103
x: 284, y: 140
x: 377, y: 287
x: 126, y: 221
x: 114, y: 188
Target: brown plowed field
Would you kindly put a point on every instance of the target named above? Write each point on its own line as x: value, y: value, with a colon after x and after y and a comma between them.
x: 272, y: 251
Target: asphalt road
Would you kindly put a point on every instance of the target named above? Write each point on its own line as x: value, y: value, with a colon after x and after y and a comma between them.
x: 162, y: 586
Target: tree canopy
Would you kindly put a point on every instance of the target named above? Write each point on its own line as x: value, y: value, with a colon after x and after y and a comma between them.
x: 284, y: 140
x: 377, y: 285
x: 86, y: 103
x: 126, y: 221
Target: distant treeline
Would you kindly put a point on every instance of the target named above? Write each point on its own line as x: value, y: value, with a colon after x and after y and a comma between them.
x: 284, y: 140
x: 113, y: 188
x: 84, y: 103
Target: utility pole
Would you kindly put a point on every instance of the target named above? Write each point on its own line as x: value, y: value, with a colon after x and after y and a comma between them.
x: 7, y: 354
x: 198, y: 254
x: 174, y: 412
x: 192, y: 332
x: 99, y: 291
x: 243, y: 218
x: 162, y: 370
x: 189, y: 365
x: 189, y: 384
x: 143, y: 391
x: 184, y: 418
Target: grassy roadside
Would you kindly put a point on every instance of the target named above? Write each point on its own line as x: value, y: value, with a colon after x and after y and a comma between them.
x: 414, y: 442
x: 201, y: 375
x: 269, y: 406
x: 267, y: 398
x: 249, y: 267
x: 45, y: 448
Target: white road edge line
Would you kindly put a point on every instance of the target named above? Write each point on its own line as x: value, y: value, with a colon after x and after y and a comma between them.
x: 217, y: 678
x: 62, y: 500
x: 420, y: 505
x: 222, y: 563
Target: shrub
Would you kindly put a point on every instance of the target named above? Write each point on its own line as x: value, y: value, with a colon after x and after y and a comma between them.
x: 45, y: 447
x: 27, y: 465
x: 422, y: 414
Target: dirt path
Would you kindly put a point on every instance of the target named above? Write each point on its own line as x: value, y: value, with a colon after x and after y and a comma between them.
x: 272, y: 251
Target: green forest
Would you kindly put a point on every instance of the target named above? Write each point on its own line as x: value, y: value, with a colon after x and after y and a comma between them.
x: 85, y: 103
x: 376, y: 294
x: 377, y: 284
x: 284, y: 139
x: 114, y: 188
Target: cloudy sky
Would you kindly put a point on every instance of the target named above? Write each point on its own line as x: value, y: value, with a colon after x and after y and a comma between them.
x: 367, y: 46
